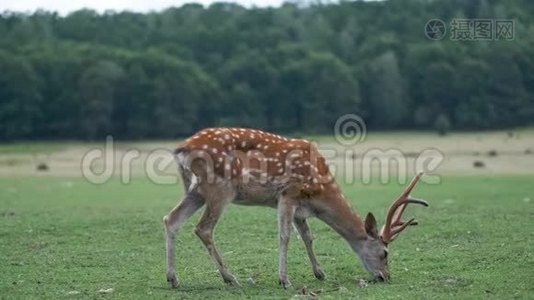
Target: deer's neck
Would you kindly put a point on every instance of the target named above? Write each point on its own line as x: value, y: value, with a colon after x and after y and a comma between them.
x: 337, y: 212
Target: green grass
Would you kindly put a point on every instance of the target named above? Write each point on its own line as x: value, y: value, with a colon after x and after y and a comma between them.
x: 31, y: 147
x: 389, y: 136
x: 474, y: 241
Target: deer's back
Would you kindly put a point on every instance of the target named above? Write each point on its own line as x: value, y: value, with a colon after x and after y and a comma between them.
x: 260, y: 165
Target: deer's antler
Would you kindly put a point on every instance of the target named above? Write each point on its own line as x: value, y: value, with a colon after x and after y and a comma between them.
x: 394, y: 225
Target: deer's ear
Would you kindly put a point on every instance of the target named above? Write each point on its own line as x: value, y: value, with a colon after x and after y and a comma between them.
x: 370, y: 226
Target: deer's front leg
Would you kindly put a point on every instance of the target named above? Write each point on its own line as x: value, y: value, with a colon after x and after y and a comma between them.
x: 305, y: 234
x: 286, y: 212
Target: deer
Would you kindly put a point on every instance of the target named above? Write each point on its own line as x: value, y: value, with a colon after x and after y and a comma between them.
x: 244, y: 166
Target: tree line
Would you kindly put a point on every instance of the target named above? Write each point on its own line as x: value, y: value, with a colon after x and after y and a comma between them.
x: 291, y: 69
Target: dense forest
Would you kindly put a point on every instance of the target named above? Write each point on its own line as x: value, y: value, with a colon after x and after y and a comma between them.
x: 294, y: 68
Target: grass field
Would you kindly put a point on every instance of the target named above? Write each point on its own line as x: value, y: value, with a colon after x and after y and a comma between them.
x: 62, y: 237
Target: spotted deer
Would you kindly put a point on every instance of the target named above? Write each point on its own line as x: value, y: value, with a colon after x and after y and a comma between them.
x: 251, y: 167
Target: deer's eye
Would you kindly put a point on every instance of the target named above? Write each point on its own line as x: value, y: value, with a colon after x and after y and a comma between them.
x: 385, y: 254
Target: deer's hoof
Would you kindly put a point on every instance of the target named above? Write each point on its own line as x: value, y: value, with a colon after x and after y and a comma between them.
x: 319, y: 274
x: 285, y: 283
x: 231, y: 280
x: 171, y: 279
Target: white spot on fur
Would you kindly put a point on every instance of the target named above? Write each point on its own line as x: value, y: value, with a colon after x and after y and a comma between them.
x: 194, y: 183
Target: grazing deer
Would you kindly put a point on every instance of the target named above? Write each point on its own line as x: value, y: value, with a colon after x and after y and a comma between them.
x: 251, y: 167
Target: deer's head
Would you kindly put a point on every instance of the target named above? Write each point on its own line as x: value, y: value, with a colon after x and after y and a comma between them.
x: 374, y: 250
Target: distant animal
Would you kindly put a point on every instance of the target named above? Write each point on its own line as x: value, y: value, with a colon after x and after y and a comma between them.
x: 478, y: 164
x: 252, y: 167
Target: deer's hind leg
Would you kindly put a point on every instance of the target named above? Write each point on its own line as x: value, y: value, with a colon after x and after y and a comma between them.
x: 286, y: 212
x: 173, y: 221
x: 215, y: 204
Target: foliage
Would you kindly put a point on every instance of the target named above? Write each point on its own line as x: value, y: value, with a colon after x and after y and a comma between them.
x: 295, y: 68
x: 442, y: 124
